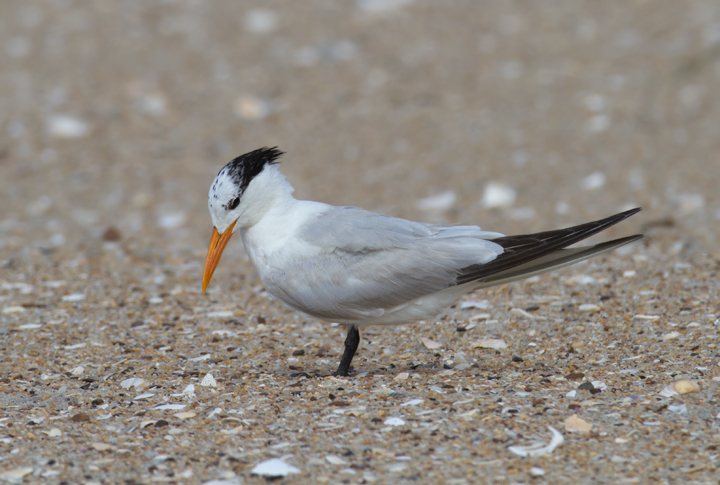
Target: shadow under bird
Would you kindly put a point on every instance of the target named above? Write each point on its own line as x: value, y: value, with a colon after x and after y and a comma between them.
x: 352, y: 266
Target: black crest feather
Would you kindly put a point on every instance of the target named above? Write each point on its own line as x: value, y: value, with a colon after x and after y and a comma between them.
x: 245, y: 167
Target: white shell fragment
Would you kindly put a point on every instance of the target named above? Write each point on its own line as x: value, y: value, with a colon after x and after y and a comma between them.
x: 74, y: 297
x: 394, y: 422
x: 381, y: 6
x: 438, y: 202
x: 670, y: 335
x: 489, y: 343
x: 537, y: 471
x: 132, y: 382
x: 646, y: 317
x: 539, y: 449
x: 146, y: 395
x: 224, y: 481
x: 189, y: 391
x: 430, y: 344
x: 599, y: 385
x: 412, y: 402
x: 261, y: 21
x: 274, y: 468
x: 589, y: 307
x: 13, y: 309
x: 172, y: 407
x: 522, y: 313
x: 172, y: 220
x: 593, y: 181
x: 63, y: 126
x: 497, y: 195
x: 335, y: 460
x: 678, y: 408
x: 201, y: 358
x: 478, y: 304
x: 185, y: 415
x: 16, y: 475
x: 208, y: 381
x: 221, y: 314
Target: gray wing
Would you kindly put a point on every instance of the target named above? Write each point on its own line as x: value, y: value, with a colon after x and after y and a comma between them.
x: 368, y: 263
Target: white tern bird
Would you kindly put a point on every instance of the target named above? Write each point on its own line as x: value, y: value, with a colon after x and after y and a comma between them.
x: 359, y: 268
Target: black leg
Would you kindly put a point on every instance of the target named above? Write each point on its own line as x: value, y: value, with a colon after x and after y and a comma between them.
x: 351, y: 344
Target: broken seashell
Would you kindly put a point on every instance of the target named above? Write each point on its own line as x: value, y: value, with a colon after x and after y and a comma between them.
x: 573, y: 423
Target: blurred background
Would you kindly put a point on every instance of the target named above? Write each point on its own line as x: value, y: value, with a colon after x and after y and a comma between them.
x: 115, y: 116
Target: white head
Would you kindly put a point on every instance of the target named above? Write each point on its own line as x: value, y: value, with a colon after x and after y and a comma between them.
x: 244, y: 187
x: 241, y: 194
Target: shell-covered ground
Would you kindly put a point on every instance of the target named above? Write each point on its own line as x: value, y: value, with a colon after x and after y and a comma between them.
x: 520, y: 117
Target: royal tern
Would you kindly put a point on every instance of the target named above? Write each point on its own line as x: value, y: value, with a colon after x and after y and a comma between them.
x: 352, y: 266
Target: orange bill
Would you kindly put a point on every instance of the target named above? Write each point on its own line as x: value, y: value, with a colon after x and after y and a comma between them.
x: 217, y: 245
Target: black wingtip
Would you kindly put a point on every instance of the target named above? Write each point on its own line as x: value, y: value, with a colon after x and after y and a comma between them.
x: 527, y: 247
x: 630, y: 212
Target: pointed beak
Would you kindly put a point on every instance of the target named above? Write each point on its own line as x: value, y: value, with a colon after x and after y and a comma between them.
x: 217, y: 245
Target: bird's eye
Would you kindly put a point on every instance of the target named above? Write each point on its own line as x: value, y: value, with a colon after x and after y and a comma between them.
x: 233, y: 203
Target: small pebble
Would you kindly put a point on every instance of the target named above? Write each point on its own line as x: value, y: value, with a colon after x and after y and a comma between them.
x: 251, y: 108
x: 112, y: 234
x: 80, y: 418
